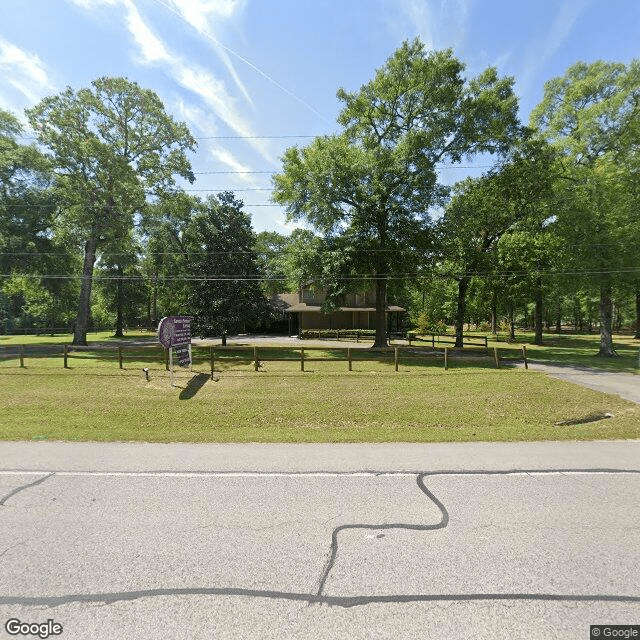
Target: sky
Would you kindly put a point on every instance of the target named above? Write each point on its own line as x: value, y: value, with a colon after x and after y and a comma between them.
x: 253, y: 77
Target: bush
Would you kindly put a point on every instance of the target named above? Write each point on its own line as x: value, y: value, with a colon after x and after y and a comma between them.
x: 425, y: 325
x: 311, y: 334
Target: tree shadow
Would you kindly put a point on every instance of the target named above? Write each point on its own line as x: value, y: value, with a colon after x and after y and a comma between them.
x: 193, y: 386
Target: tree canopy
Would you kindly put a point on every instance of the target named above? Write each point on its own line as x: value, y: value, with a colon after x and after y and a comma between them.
x: 591, y: 115
x: 373, y: 184
x: 111, y: 145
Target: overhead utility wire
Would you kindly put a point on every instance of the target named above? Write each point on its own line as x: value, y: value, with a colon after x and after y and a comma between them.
x: 373, y: 277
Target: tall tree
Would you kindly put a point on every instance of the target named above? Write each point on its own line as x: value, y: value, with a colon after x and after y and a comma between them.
x: 483, y: 210
x: 373, y: 184
x: 591, y: 114
x: 112, y: 146
x: 30, y: 250
x: 224, y: 288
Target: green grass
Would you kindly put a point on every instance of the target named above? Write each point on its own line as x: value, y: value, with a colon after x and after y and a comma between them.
x: 95, y: 400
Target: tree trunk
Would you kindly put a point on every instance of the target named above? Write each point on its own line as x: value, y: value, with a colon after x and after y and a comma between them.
x: 84, y: 303
x: 154, y: 309
x: 119, y: 305
x: 512, y: 324
x: 537, y: 314
x: 381, y: 313
x: 606, y: 315
x: 637, y: 335
x: 494, y: 312
x: 463, y: 285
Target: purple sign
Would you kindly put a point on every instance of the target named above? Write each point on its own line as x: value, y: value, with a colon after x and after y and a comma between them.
x: 174, y: 331
x: 183, y: 355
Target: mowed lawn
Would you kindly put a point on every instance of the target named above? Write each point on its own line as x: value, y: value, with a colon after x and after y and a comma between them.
x: 100, y: 402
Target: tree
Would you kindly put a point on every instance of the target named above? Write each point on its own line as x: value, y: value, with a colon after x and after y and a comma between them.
x: 121, y: 283
x: 373, y: 184
x: 30, y: 250
x: 591, y: 115
x: 270, y: 250
x: 112, y: 146
x: 483, y: 210
x: 224, y: 293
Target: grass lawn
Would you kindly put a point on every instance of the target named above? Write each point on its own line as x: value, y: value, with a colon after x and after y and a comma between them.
x: 96, y: 400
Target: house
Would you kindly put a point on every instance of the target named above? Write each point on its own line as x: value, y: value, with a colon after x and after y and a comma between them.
x: 357, y: 310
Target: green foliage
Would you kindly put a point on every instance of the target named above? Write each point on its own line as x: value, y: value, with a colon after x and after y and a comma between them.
x: 425, y: 325
x: 591, y: 115
x: 112, y: 145
x: 371, y: 187
x: 224, y: 293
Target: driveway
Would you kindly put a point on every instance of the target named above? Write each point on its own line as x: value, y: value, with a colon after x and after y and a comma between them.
x: 625, y: 385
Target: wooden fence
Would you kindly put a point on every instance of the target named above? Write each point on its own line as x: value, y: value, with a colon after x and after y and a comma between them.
x: 258, y: 355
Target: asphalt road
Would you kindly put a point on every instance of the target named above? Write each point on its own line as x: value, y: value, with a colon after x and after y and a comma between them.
x: 476, y: 540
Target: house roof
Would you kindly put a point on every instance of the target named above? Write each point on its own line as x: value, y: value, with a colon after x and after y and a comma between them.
x: 312, y: 308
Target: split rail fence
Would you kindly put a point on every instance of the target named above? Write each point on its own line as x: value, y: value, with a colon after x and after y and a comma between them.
x: 257, y: 355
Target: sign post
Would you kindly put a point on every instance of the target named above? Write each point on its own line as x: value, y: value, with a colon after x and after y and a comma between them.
x: 174, y: 332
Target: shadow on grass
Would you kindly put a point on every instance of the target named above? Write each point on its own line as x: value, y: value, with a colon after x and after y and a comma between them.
x: 193, y: 386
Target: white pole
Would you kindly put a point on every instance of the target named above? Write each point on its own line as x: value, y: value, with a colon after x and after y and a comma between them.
x: 190, y: 358
x: 171, y: 364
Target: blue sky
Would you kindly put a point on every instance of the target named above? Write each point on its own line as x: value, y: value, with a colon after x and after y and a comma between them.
x: 244, y: 74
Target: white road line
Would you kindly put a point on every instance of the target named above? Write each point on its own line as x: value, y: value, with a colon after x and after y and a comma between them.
x: 312, y: 474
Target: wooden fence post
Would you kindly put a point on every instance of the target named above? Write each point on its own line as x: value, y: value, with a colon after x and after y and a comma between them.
x: 496, y: 356
x: 486, y: 343
x: 120, y: 357
x: 433, y: 340
x: 65, y: 355
x: 166, y: 358
x: 446, y: 353
x: 395, y: 357
x: 524, y: 355
x: 349, y: 358
x: 256, y: 362
x: 22, y: 350
x: 301, y: 359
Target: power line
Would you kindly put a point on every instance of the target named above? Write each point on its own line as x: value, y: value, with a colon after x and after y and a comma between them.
x: 344, y: 278
x: 269, y: 252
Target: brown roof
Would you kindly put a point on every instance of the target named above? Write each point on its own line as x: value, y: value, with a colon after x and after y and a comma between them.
x: 301, y: 306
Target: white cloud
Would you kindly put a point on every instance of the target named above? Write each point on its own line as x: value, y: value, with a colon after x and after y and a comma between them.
x: 203, y: 15
x: 205, y: 125
x: 25, y: 72
x: 438, y: 23
x: 94, y: 4
x: 560, y: 29
x: 191, y: 77
x: 199, y: 13
x: 151, y: 47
